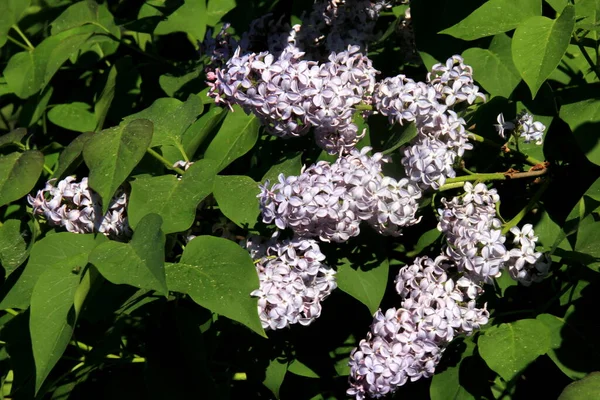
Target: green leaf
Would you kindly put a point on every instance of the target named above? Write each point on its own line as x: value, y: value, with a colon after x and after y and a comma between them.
x: 174, y: 200
x: 446, y: 385
x: 237, y: 136
x: 589, y: 12
x: 366, y: 283
x: 558, y: 5
x: 73, y: 116
x: 425, y: 240
x: 539, y: 44
x: 493, y: 17
x: 83, y: 13
x: 53, y: 317
x: 587, y: 388
x: 300, y: 369
x: 494, y: 68
x: 13, y: 248
x: 236, y: 196
x: 60, y: 249
x: 13, y: 137
x: 190, y: 18
x: 217, y: 9
x: 584, y: 119
x: 219, y: 275
x: 274, y: 375
x: 588, y: 237
x: 290, y: 167
x: 140, y: 262
x: 112, y: 154
x: 18, y: 174
x: 195, y: 135
x: 170, y: 117
x: 70, y: 156
x: 30, y: 71
x: 509, y: 348
x: 106, y: 97
x: 173, y: 84
x: 11, y: 12
x: 35, y: 107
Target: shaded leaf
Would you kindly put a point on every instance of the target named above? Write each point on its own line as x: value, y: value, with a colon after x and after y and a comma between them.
x: 195, y: 135
x: 174, y: 200
x: 219, y: 275
x: 13, y: 137
x: 10, y: 13
x: 73, y: 116
x: 112, y: 154
x: 70, y: 156
x: 217, y: 9
x: 190, y: 18
x: 446, y: 385
x: 274, y: 375
x: 140, y: 262
x: 13, y: 247
x: 587, y: 388
x: 18, y: 174
x: 290, y: 167
x: 107, y: 95
x: 584, y: 120
x: 236, y: 196
x: 365, y: 283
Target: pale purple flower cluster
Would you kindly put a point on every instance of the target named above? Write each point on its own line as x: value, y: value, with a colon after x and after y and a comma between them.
x: 408, y: 343
x: 293, y: 281
x: 442, y: 136
x: 524, y: 126
x: 474, y: 233
x: 77, y: 208
x: 329, y: 200
x: 291, y: 94
x: 526, y: 265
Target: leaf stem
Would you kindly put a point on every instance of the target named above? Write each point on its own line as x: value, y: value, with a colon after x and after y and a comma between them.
x: 15, y: 41
x: 453, y: 183
x: 29, y: 45
x: 165, y: 162
x: 12, y: 312
x: 530, y: 205
x: 87, y: 348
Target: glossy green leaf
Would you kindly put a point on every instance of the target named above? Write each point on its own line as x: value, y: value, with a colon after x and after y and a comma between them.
x: 587, y: 388
x: 71, y: 155
x: 366, y: 283
x: 13, y: 137
x: 172, y: 85
x: 236, y: 196
x: 83, y: 13
x: 10, y: 13
x: 583, y: 118
x: 509, y: 348
x: 190, y: 18
x: 18, y: 174
x: 493, y: 68
x: 112, y: 154
x: 174, y: 200
x: 219, y: 275
x: 74, y: 116
x: 237, y: 136
x: 493, y: 17
x: 52, y: 317
x: 140, y: 262
x: 61, y: 249
x: 538, y: 45
x: 170, y: 117
x: 195, y: 135
x: 13, y: 247
x: 30, y: 71
x: 274, y: 375
x: 290, y: 167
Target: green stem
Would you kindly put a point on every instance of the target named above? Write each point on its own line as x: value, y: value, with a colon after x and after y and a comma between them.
x: 16, y: 28
x: 12, y: 312
x: 87, y: 348
x: 15, y: 41
x: 586, y: 56
x: 454, y: 183
x: 165, y: 162
x: 48, y: 170
x: 530, y: 205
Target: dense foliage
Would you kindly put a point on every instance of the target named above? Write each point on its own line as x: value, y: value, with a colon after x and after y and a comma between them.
x: 299, y: 200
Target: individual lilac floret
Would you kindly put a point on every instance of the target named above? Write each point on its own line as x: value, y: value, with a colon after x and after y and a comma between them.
x: 293, y: 281
x: 526, y: 128
x: 474, y: 233
x: 330, y: 200
x: 408, y: 343
x: 77, y: 208
x: 526, y: 265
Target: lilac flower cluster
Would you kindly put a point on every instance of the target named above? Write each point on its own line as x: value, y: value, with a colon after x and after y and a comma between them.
x: 293, y: 281
x: 441, y: 133
x: 77, y: 208
x: 476, y: 243
x: 526, y: 265
x: 291, y: 94
x: 330, y: 200
x: 408, y: 343
x: 524, y: 126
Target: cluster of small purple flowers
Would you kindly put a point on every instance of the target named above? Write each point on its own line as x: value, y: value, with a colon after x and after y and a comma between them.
x: 442, y: 136
x: 291, y: 94
x: 293, y: 281
x: 524, y: 126
x: 408, y: 343
x: 329, y: 200
x: 476, y: 243
x: 77, y: 208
